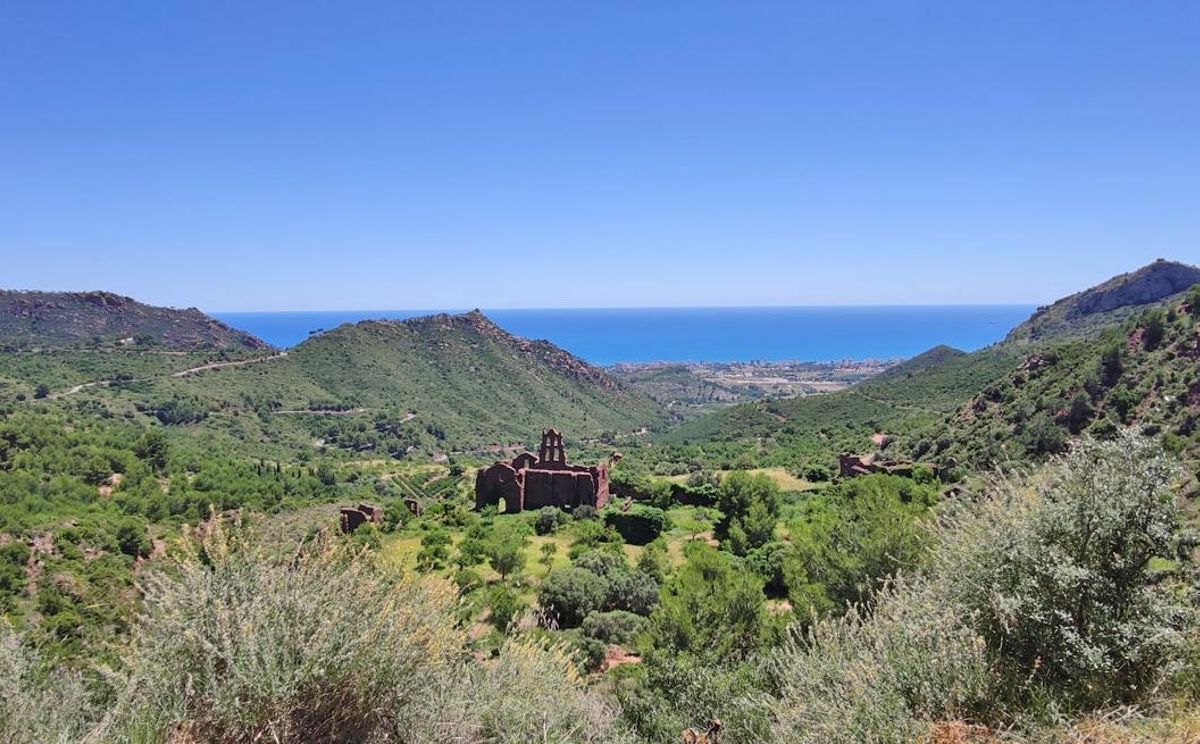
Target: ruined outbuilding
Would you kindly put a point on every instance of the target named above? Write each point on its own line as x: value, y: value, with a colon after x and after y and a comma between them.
x: 853, y: 466
x: 529, y: 482
x: 353, y: 517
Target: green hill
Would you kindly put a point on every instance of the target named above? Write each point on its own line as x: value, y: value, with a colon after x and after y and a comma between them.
x: 438, y: 383
x: 1143, y: 374
x: 917, y: 403
x: 910, y: 395
x: 1110, y: 303
x: 99, y: 319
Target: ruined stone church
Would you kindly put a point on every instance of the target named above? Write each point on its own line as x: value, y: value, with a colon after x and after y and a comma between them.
x: 528, y: 482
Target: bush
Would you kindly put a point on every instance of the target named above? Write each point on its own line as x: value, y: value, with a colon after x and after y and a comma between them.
x: 467, y: 580
x: 1154, y: 329
x: 615, y: 627
x: 1038, y: 599
x: 632, y: 591
x: 591, y: 534
x: 585, y: 512
x: 591, y: 653
x: 505, y: 551
x: 750, y: 505
x: 880, y: 673
x: 569, y: 594
x: 506, y: 605
x: 240, y: 643
x: 37, y: 702
x: 710, y: 608
x: 1043, y: 437
x: 549, y: 520
x: 638, y: 526
x: 655, y: 560
x: 601, y: 562
x: 225, y: 650
x: 1061, y: 582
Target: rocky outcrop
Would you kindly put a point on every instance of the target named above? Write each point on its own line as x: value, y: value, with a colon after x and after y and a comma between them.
x: 1110, y: 302
x: 55, y: 319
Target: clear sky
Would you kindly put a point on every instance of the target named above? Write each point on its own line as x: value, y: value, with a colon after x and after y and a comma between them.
x: 375, y: 155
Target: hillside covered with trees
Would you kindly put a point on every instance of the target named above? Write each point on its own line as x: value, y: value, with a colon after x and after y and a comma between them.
x: 172, y: 568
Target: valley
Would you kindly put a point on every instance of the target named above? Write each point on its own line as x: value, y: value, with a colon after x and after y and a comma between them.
x: 133, y: 475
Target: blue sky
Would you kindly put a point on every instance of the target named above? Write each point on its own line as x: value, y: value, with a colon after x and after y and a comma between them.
x: 292, y: 155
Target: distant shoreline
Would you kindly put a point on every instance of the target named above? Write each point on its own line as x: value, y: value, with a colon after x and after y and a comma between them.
x: 799, y: 334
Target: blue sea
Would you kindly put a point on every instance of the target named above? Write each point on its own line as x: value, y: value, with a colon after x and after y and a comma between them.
x: 776, y: 334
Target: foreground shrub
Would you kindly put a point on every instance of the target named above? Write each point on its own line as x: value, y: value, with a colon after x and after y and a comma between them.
x: 239, y: 643
x: 1037, y: 602
x: 38, y: 703
x: 1058, y: 574
x: 884, y: 675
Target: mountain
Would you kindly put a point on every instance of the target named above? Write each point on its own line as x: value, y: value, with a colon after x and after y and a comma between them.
x: 1144, y: 373
x: 911, y: 395
x: 437, y: 383
x: 920, y: 404
x: 73, y: 319
x: 1112, y: 302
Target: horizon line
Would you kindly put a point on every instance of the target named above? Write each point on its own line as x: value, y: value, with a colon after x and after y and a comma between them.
x: 486, y: 310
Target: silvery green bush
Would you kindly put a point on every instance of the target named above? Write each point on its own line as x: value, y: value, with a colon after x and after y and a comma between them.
x: 1056, y: 575
x: 243, y: 643
x: 1038, y: 599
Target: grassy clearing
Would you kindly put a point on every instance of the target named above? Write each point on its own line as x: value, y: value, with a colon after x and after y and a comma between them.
x: 782, y: 478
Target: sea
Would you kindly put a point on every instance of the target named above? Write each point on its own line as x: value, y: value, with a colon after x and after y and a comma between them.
x: 728, y: 334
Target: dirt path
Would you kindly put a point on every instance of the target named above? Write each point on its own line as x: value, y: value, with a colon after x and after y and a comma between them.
x: 180, y: 373
x: 78, y: 388
x: 222, y: 365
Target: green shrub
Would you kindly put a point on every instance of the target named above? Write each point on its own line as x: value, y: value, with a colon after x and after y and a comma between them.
x: 1061, y: 583
x: 655, y: 560
x: 601, y: 562
x: 709, y: 607
x: 616, y: 627
x: 591, y: 653
x: 39, y: 703
x: 467, y: 580
x: 1036, y: 601
x: 569, y: 594
x: 638, y: 526
x: 242, y: 642
x: 750, y: 507
x: 632, y: 591
x: 506, y: 605
x: 549, y: 520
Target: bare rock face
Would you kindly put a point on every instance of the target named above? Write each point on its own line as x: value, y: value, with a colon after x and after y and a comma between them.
x: 1113, y: 301
x: 528, y: 482
x: 1149, y: 284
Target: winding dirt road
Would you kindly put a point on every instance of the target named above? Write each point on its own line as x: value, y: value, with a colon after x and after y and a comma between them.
x: 180, y: 373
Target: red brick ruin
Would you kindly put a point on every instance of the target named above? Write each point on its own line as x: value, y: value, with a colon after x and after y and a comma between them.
x: 353, y: 517
x: 852, y: 466
x: 528, y: 482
